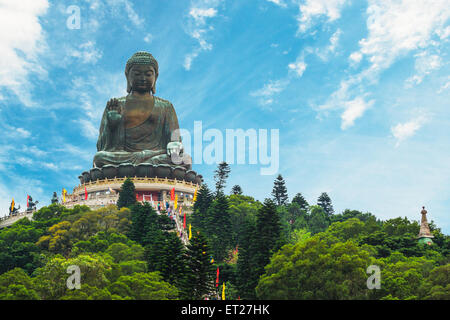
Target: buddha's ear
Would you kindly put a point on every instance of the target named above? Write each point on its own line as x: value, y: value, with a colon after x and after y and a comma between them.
x: 128, y: 83
x: 154, y: 85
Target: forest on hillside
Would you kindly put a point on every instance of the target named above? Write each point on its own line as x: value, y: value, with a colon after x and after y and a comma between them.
x: 275, y: 249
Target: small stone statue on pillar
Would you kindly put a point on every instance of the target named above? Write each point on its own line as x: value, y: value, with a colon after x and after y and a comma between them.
x: 425, y: 233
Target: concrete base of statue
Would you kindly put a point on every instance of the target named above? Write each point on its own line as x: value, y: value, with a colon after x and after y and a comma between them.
x: 104, y: 192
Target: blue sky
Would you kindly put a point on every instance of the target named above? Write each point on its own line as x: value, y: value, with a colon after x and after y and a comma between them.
x: 359, y: 91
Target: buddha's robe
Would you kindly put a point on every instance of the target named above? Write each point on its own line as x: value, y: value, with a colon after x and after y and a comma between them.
x: 144, y: 143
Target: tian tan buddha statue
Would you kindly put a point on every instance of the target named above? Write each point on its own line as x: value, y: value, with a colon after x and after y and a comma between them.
x: 140, y: 128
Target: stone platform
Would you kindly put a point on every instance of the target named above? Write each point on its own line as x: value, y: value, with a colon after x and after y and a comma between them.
x: 103, y: 192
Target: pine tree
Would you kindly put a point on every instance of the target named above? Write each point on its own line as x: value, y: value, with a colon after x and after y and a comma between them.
x: 199, y: 279
x: 143, y: 223
x: 268, y: 232
x: 199, y: 215
x: 325, y: 202
x: 301, y: 201
x: 218, y: 230
x: 221, y: 175
x: 279, y: 191
x: 166, y: 254
x: 247, y: 278
x: 318, y: 220
x: 237, y: 190
x: 127, y: 194
x: 258, y: 245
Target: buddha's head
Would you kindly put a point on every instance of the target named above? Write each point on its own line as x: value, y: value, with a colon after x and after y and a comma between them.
x: 141, y: 72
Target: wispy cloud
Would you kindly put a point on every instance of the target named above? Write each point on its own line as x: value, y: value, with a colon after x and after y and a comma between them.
x: 87, y: 52
x: 424, y: 65
x: 197, y: 27
x: 20, y: 49
x: 390, y: 37
x: 403, y: 131
x: 310, y: 10
x: 279, y: 3
x: 354, y: 109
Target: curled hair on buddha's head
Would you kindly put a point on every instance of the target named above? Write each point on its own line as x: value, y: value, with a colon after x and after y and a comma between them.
x: 141, y: 58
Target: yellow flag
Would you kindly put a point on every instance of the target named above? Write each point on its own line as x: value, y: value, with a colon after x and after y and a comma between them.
x: 195, y: 196
x: 64, y: 194
x: 175, y: 205
x: 190, y: 232
x: 223, y: 291
x: 12, y: 205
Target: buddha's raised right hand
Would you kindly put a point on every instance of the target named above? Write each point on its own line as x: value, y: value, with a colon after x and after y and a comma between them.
x: 114, y: 111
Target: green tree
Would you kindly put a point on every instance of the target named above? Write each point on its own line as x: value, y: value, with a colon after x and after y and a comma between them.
x: 199, y: 215
x: 17, y: 285
x: 301, y: 201
x: 318, y: 220
x: 324, y: 201
x: 279, y: 192
x: 247, y: 278
x: 127, y: 194
x: 199, y: 281
x: 236, y: 190
x: 218, y: 231
x: 317, y: 268
x: 221, y: 175
x: 143, y: 286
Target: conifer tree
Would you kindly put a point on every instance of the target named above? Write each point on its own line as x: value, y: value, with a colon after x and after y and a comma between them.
x: 127, y: 194
x: 237, y: 190
x: 204, y: 200
x: 218, y: 229
x: 247, y: 278
x: 143, y: 223
x: 301, y: 201
x: 221, y: 175
x: 260, y: 241
x: 325, y: 202
x: 268, y: 233
x: 279, y: 191
x: 199, y: 280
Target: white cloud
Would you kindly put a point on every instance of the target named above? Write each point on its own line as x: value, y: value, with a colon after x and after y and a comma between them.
x: 395, y: 28
x: 298, y: 67
x: 398, y: 27
x: 88, y: 129
x: 87, y: 52
x: 148, y: 38
x: 354, y: 109
x: 21, y: 42
x: 424, y: 65
x: 199, y: 14
x: 15, y: 133
x: 403, y: 131
x: 197, y: 27
x: 280, y: 3
x: 267, y: 92
x: 445, y: 86
x: 311, y: 9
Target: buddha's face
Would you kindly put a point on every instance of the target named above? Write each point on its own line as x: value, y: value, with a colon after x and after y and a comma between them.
x: 142, y: 78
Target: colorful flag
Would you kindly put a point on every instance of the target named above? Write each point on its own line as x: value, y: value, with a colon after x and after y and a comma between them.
x: 184, y: 222
x: 28, y: 197
x: 195, y: 196
x: 190, y: 232
x: 64, y: 191
x: 175, y: 205
x: 85, y: 193
x: 217, y: 277
x: 223, y: 291
x: 172, y: 194
x: 12, y: 205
